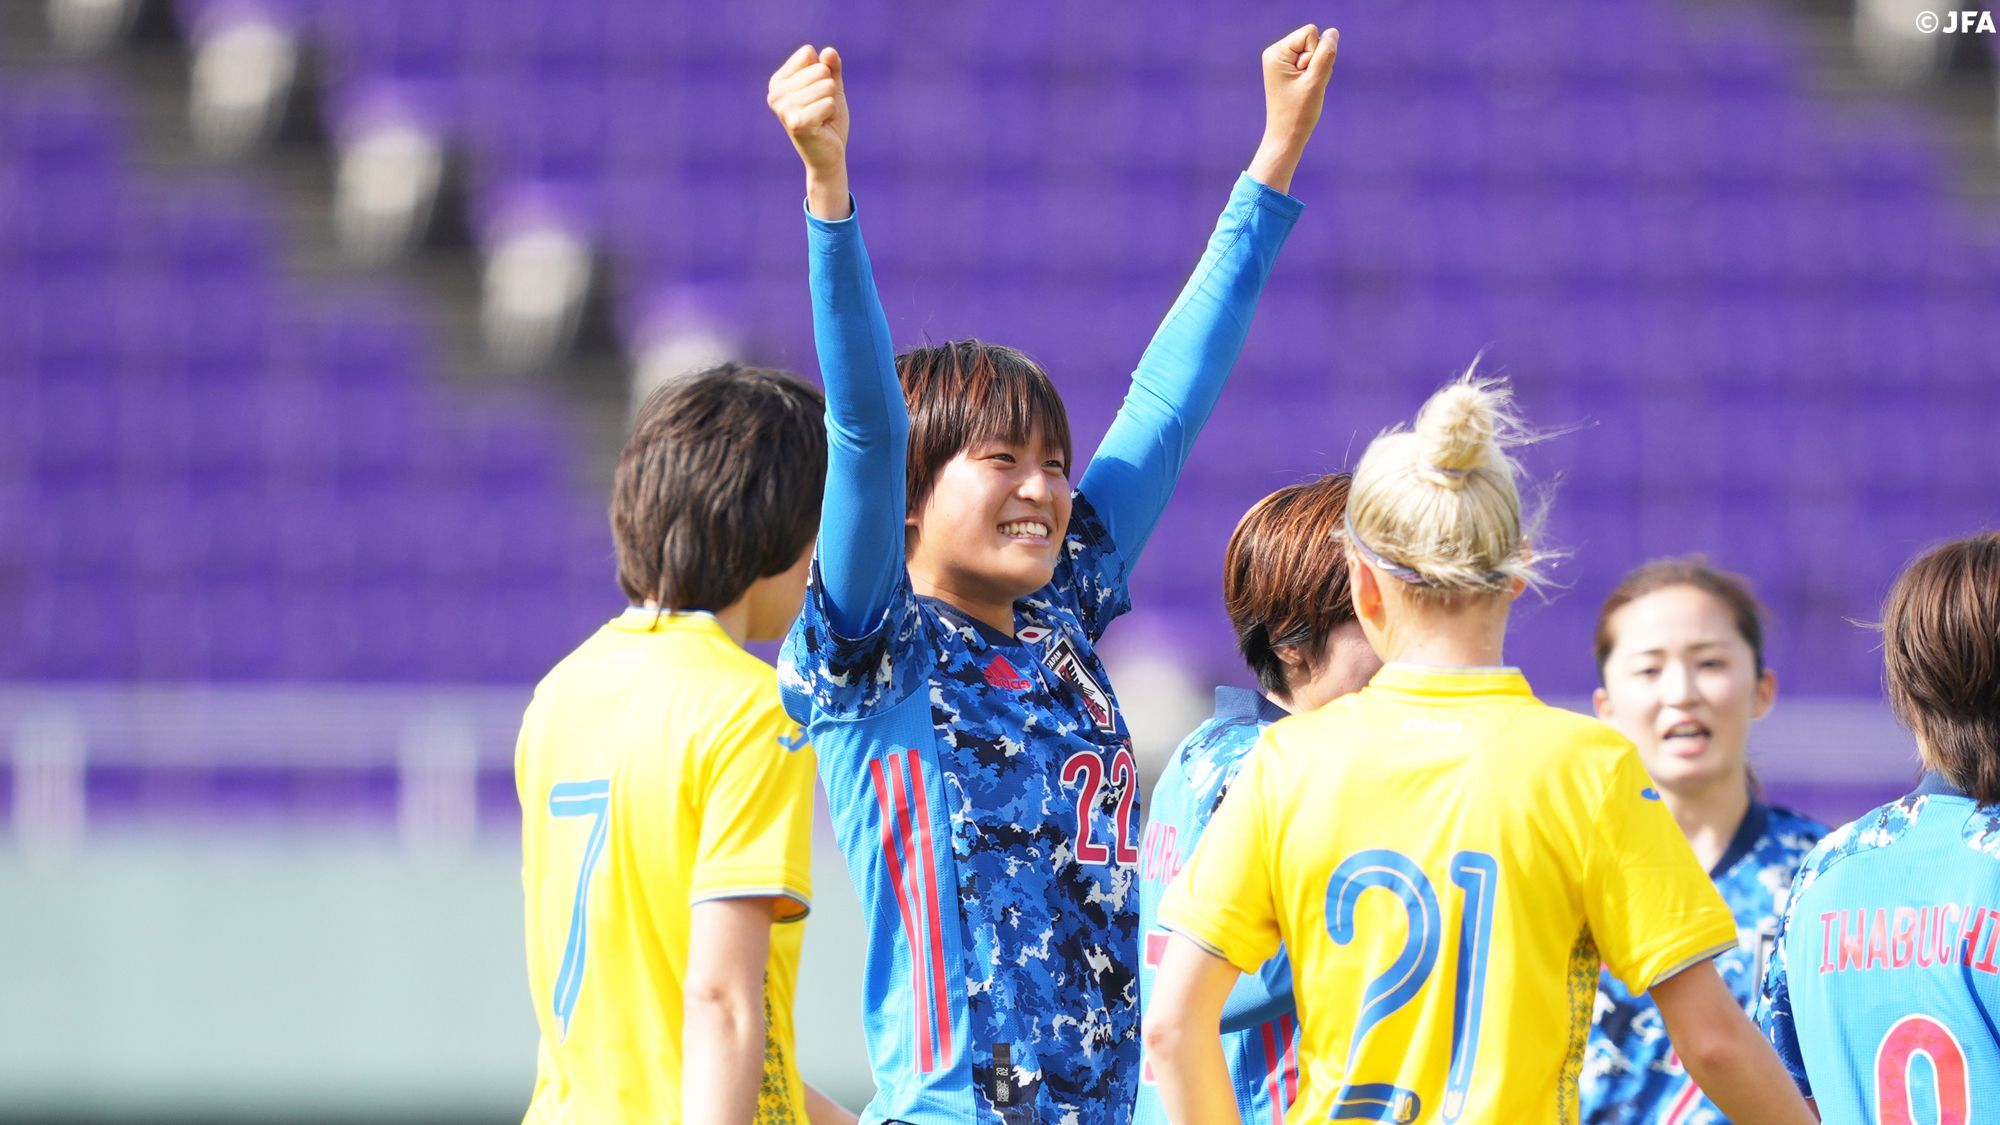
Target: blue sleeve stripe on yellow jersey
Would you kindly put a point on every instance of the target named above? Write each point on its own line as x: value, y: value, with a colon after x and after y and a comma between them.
x: 906, y: 849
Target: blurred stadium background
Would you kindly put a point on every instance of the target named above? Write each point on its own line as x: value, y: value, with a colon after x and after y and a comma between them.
x: 319, y: 320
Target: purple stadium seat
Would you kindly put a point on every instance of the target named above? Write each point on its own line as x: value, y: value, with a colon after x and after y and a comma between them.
x: 1773, y: 313
x: 198, y: 17
x: 396, y: 61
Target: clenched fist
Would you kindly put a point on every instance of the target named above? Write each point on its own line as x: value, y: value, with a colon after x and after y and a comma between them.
x: 810, y: 100
x: 1296, y: 70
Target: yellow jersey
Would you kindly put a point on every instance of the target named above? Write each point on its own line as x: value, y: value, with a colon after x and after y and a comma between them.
x: 656, y: 769
x: 1447, y: 860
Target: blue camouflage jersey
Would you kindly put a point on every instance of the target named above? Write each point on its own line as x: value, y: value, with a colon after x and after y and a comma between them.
x: 982, y: 786
x: 1260, y: 1026
x: 1631, y: 1074
x: 1884, y: 986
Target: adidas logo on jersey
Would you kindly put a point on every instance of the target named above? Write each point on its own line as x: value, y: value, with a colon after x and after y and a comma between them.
x: 1003, y: 675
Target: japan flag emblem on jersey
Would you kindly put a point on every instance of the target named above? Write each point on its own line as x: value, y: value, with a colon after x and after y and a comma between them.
x: 1061, y: 656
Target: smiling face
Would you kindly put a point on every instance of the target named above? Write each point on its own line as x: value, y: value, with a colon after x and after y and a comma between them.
x: 992, y: 527
x: 1681, y: 681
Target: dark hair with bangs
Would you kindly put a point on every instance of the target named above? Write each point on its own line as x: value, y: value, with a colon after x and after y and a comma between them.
x: 1284, y: 576
x: 963, y: 392
x: 1732, y: 590
x: 718, y: 486
x: 1941, y: 660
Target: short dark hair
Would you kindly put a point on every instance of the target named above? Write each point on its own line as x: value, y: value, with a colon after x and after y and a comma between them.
x: 1284, y: 576
x: 1941, y: 660
x: 1732, y: 590
x: 965, y: 391
x: 718, y: 486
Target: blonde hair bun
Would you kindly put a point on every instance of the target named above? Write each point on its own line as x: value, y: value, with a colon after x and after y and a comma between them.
x: 1437, y: 504
x: 1456, y: 430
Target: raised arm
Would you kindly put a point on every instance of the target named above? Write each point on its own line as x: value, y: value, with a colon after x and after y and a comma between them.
x: 867, y: 426
x: 1183, y: 370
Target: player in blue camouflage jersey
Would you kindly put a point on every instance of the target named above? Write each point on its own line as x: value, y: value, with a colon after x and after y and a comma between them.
x: 1884, y: 986
x: 976, y: 764
x: 1284, y: 582
x: 1680, y: 654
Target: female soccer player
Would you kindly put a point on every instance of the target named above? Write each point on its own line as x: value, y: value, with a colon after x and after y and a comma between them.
x: 1680, y: 652
x: 974, y: 759
x: 1446, y: 859
x: 1884, y: 987
x: 666, y: 801
x: 1284, y: 581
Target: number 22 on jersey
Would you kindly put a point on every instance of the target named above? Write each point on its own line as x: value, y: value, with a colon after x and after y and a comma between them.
x: 1475, y: 874
x: 1086, y: 770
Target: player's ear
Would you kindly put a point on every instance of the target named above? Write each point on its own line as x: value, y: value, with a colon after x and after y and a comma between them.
x: 1600, y: 701
x: 1364, y: 589
x: 1520, y: 585
x: 1767, y: 694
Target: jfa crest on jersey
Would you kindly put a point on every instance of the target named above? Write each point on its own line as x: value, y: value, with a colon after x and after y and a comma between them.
x: 986, y: 798
x: 1884, y: 984
x: 1631, y: 1074
x: 1060, y: 653
x: 1260, y: 1040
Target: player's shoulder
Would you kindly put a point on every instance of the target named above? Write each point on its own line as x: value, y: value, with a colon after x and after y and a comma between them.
x: 1091, y: 578
x: 740, y: 687
x: 1555, y: 741
x: 1557, y: 745
x: 1341, y: 713
x: 1087, y: 530
x: 1290, y: 749
x: 1791, y: 833
x: 739, y: 708
x: 716, y: 679
x: 581, y: 667
x: 1239, y: 719
x: 1213, y: 753
x: 697, y: 651
x: 823, y: 673
x: 1197, y: 751
x: 588, y: 652
x: 1881, y: 827
x: 1562, y: 731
